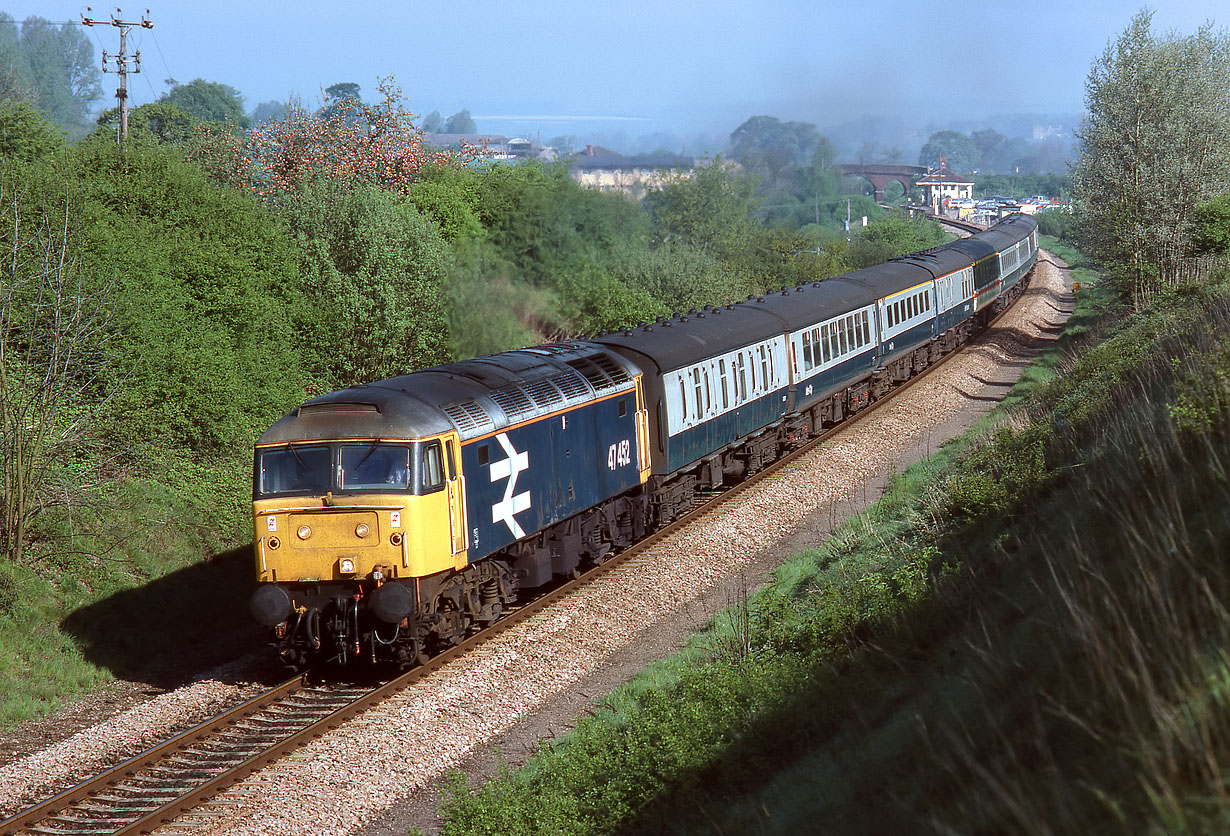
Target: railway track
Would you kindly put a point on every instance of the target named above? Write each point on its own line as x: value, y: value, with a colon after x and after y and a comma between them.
x: 185, y: 771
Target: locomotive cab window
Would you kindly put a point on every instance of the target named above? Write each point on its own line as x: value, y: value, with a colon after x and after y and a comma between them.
x: 432, y: 468
x: 374, y: 466
x: 294, y: 470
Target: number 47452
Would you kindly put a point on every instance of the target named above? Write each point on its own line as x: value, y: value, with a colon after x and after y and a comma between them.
x: 619, y: 455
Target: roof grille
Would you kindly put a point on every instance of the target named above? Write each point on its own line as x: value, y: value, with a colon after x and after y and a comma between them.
x: 543, y: 394
x: 591, y: 372
x: 616, y: 372
x: 513, y: 401
x: 571, y: 384
x: 469, y: 417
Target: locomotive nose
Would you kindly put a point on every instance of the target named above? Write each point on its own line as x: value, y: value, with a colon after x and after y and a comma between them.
x: 270, y: 605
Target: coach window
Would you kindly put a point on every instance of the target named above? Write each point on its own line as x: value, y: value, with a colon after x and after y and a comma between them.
x: 683, y: 398
x: 807, y: 351
x: 708, y: 398
x: 741, y: 379
x: 722, y: 377
x: 866, y: 329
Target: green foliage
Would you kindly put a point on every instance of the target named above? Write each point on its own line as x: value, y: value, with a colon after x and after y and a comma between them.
x: 460, y: 122
x: 488, y: 311
x: 26, y: 134
x: 1212, y: 222
x: 1059, y: 224
x: 158, y: 122
x: 207, y: 288
x: 892, y: 235
x: 342, y: 102
x: 373, y: 270
x: 53, y: 68
x: 710, y: 209
x: 1023, y: 185
x: 767, y: 148
x: 208, y: 101
x: 1004, y: 472
x: 270, y: 111
x: 1156, y: 145
x: 450, y: 198
x: 957, y: 149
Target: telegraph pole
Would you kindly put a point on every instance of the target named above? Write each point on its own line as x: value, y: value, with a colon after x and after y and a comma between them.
x: 121, y: 60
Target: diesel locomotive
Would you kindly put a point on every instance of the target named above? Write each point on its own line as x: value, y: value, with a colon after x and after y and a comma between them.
x: 394, y: 518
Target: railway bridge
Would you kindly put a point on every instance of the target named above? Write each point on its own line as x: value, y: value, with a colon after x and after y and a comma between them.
x: 880, y: 174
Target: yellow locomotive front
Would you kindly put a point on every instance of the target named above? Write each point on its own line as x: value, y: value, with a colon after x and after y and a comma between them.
x: 346, y: 533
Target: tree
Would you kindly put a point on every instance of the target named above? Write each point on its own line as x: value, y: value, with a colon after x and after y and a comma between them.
x: 26, y: 134
x: 270, y: 111
x: 375, y: 269
x: 433, y: 123
x: 991, y: 145
x: 891, y: 235
x: 1155, y: 145
x: 158, y: 122
x: 208, y: 101
x: 1212, y: 226
x: 280, y: 159
x: 342, y: 101
x: 461, y: 123
x: 16, y: 77
x: 958, y: 150
x: 54, y: 330
x: 768, y: 147
x: 710, y: 208
x: 52, y: 67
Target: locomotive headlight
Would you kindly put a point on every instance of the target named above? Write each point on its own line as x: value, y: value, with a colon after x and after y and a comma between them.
x: 305, y: 531
x: 360, y: 530
x: 346, y: 565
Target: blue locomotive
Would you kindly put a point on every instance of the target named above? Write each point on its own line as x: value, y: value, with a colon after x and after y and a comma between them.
x: 394, y: 518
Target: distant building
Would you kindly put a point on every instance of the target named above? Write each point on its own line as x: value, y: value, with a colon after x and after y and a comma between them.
x: 609, y: 171
x: 499, y: 146
x: 940, y: 185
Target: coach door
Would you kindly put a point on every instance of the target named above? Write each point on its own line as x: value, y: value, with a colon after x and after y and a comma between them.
x: 456, y: 483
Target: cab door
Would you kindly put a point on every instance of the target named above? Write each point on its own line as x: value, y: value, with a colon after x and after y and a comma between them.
x: 456, y: 484
x: 642, y: 433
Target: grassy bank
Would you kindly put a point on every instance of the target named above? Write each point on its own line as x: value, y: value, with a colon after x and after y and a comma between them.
x: 1029, y: 633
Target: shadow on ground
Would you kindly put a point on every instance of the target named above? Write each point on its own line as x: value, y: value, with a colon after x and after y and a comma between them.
x: 176, y: 628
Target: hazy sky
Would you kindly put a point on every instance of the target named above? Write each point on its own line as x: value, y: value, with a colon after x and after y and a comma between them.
x: 549, y: 67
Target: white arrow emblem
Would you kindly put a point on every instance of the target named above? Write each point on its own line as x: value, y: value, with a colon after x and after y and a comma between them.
x: 509, y: 468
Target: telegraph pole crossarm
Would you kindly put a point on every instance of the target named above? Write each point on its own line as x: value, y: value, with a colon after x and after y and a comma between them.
x: 122, y: 66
